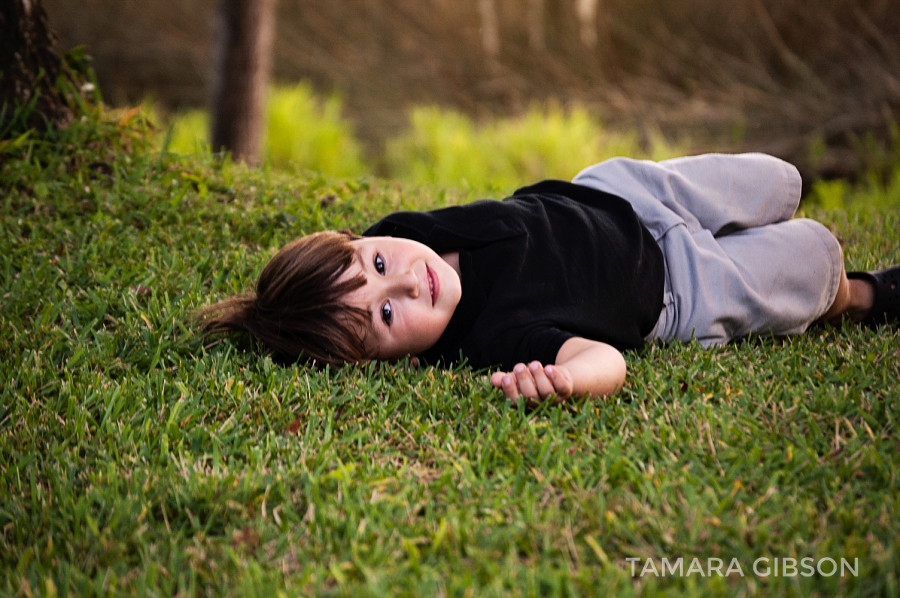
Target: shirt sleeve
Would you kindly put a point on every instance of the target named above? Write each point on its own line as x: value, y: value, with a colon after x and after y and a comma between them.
x: 540, y: 343
x: 408, y: 225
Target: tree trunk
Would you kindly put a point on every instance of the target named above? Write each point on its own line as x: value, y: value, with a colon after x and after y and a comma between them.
x: 243, y: 56
x: 587, y: 19
x: 32, y: 70
x: 490, y: 33
x: 536, y: 25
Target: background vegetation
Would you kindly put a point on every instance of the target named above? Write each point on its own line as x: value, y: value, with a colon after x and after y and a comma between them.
x: 441, y: 147
x: 447, y: 148
x: 302, y: 131
x: 137, y: 459
x: 782, y: 76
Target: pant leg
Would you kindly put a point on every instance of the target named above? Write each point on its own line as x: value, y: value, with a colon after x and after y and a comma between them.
x: 718, y: 192
x: 773, y: 279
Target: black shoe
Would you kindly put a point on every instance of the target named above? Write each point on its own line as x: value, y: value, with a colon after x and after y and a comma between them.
x: 886, y: 309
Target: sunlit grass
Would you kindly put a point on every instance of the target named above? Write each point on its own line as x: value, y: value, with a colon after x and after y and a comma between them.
x: 441, y: 147
x: 879, y: 186
x: 449, y: 149
x: 445, y: 147
x: 873, y: 191
x: 303, y: 132
x: 189, y: 133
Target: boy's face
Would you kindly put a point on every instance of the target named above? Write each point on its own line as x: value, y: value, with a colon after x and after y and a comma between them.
x: 410, y: 290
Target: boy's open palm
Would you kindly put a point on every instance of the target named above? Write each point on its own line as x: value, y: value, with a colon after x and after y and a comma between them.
x: 582, y: 367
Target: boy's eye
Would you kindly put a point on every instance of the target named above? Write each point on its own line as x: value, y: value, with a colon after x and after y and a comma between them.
x: 379, y: 263
x: 387, y: 313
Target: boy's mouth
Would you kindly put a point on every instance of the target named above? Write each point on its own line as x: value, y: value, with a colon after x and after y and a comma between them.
x: 434, y: 287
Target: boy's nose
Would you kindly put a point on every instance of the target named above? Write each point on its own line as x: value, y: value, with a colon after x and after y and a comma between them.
x: 408, y: 284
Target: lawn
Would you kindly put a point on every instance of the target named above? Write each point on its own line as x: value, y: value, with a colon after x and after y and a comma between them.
x: 138, y: 459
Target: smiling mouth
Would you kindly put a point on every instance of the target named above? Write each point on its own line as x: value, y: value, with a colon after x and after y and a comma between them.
x: 433, y: 285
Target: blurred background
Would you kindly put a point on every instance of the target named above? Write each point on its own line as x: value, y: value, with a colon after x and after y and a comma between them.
x: 387, y: 86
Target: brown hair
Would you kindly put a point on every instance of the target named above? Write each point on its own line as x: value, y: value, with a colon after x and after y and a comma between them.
x: 297, y: 311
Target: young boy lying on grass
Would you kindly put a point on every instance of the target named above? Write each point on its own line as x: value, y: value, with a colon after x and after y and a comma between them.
x: 552, y: 283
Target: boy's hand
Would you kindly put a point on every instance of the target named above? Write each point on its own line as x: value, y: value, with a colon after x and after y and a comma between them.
x: 534, y: 382
x: 582, y: 367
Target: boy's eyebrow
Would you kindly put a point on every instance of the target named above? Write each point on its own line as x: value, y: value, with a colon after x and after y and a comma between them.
x: 357, y: 257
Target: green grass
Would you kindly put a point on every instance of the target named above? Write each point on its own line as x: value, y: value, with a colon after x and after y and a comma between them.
x: 870, y: 192
x: 440, y: 148
x: 302, y: 132
x: 136, y: 461
x: 445, y: 147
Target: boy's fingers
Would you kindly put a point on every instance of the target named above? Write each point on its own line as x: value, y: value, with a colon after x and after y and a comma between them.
x: 508, y: 383
x: 497, y: 379
x: 510, y: 388
x: 562, y: 381
x: 534, y: 382
x: 525, y: 381
x: 531, y: 382
x: 544, y: 385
